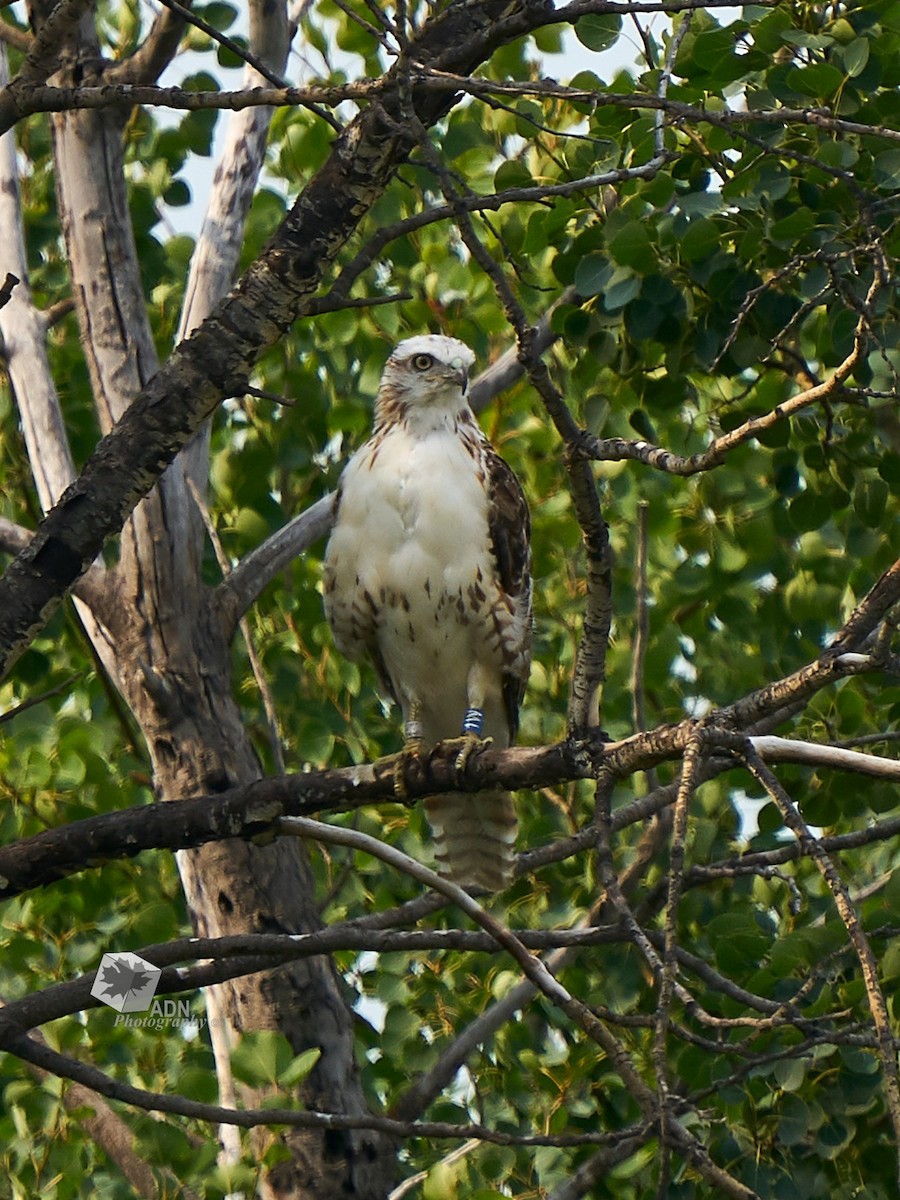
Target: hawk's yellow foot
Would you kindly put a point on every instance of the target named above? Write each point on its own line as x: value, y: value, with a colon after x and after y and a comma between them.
x: 413, y: 746
x: 470, y: 740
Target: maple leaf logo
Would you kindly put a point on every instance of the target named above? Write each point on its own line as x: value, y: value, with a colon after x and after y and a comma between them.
x: 126, y: 982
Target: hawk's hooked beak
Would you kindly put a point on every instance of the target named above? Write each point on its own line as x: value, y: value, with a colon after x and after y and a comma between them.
x: 460, y: 374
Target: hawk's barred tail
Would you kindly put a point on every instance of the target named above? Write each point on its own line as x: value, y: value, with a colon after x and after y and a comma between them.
x: 474, y: 837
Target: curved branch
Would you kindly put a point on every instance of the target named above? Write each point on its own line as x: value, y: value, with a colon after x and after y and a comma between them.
x: 678, y: 1136
x: 239, y: 590
x: 15, y: 1041
x: 19, y: 39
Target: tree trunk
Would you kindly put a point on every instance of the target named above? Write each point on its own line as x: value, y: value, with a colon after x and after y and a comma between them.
x: 163, y: 646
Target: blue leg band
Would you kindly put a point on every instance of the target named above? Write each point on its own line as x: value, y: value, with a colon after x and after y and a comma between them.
x: 473, y: 721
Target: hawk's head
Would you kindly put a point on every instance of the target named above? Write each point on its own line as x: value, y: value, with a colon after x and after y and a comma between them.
x: 428, y: 370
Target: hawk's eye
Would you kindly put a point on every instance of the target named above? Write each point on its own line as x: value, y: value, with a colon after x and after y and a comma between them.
x: 422, y: 362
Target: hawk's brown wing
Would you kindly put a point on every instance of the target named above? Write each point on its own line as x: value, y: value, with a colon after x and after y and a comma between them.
x: 509, y: 524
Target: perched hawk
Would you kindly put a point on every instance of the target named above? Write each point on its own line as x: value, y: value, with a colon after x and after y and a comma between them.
x: 427, y: 572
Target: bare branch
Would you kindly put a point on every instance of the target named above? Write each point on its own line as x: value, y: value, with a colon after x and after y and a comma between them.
x: 252, y: 811
x: 222, y: 39
x: 11, y: 713
x: 6, y: 290
x: 24, y: 334
x: 508, y: 368
x: 10, y: 35
x: 255, y: 572
x: 13, y: 537
x: 811, y: 754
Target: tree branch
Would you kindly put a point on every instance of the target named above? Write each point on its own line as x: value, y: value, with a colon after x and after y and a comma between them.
x: 14, y: 1041
x: 236, y: 593
x: 251, y: 811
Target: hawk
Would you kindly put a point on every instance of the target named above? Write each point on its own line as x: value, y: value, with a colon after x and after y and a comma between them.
x: 428, y: 573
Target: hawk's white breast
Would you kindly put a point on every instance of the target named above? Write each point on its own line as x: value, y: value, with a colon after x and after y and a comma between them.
x: 411, y: 551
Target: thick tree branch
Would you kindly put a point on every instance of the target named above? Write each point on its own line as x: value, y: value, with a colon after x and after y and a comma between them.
x: 252, y: 811
x: 236, y: 593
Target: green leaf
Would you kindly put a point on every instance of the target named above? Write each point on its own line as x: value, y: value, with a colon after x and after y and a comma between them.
x: 260, y: 1056
x: 855, y: 56
x: 299, y: 1067
x: 795, y: 1122
x: 701, y: 239
x: 887, y: 170
x: 631, y: 247
x: 591, y: 274
x: 598, y: 32
x: 819, y: 80
x: 870, y: 502
x: 622, y: 286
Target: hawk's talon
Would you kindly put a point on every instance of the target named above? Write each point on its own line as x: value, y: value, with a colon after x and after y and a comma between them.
x: 465, y: 747
x: 410, y: 753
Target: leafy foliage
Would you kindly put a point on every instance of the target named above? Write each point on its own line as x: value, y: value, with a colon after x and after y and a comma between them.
x: 729, y: 248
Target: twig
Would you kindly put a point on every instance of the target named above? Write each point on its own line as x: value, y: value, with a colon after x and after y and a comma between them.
x: 616, y: 449
x: 265, y: 394
x: 41, y: 60
x: 15, y: 1041
x: 687, y: 784
x: 12, y: 713
x: 240, y: 52
x: 410, y: 1184
x: 642, y: 622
